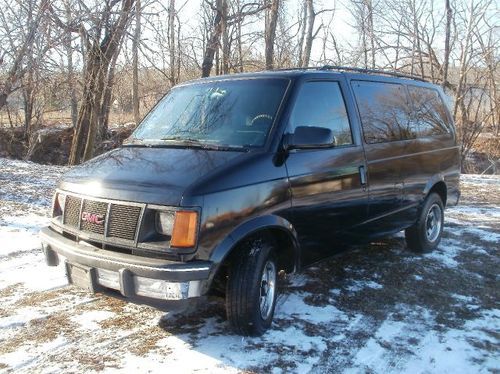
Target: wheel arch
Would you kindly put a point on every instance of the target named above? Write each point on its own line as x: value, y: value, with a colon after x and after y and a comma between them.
x: 274, y: 227
x: 438, y: 185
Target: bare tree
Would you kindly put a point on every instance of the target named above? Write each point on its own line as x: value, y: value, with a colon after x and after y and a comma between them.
x: 22, y: 25
x: 102, y: 43
x: 219, y: 34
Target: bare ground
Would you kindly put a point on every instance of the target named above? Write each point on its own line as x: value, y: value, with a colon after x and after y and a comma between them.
x: 377, y: 308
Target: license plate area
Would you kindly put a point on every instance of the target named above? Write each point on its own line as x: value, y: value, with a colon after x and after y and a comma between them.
x: 82, y: 276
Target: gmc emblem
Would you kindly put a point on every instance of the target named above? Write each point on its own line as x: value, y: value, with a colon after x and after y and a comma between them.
x: 98, y: 219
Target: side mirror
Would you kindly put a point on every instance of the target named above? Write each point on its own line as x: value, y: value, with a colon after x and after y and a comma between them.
x: 310, y: 137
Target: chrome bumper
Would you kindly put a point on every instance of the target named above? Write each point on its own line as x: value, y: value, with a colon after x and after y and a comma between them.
x: 93, y: 268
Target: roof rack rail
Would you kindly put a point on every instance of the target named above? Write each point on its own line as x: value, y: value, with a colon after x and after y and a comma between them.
x: 292, y: 69
x: 372, y: 71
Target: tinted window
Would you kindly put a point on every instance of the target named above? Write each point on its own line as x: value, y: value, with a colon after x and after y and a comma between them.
x: 230, y: 112
x: 429, y: 111
x: 384, y: 110
x: 321, y: 104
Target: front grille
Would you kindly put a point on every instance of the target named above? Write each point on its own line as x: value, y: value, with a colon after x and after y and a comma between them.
x: 121, y: 221
x: 98, y: 208
x: 72, y: 211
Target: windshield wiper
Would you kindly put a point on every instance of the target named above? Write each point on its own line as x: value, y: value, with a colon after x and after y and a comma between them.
x: 190, y: 142
x: 182, y: 142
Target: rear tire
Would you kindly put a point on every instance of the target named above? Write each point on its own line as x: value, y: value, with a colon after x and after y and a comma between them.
x: 252, y: 288
x: 425, y: 234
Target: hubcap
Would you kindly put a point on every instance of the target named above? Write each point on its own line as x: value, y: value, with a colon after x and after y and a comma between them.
x: 433, y: 223
x: 267, y: 289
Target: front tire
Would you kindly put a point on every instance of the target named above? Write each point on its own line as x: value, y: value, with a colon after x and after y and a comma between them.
x: 425, y: 234
x: 252, y: 288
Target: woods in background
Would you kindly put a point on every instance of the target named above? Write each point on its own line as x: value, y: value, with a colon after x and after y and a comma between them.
x: 89, y: 64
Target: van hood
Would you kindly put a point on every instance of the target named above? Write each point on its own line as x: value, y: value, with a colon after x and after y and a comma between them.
x: 145, y: 174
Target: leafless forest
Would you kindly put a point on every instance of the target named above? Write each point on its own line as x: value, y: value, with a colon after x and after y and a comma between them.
x: 76, y: 76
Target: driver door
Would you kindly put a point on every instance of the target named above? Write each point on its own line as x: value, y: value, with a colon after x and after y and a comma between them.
x: 328, y: 184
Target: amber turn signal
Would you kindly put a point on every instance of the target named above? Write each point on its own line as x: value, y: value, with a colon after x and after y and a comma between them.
x: 185, y: 227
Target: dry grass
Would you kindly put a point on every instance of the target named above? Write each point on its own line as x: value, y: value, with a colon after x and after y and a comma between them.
x: 88, y: 361
x: 10, y: 290
x: 145, y: 341
x: 38, y: 331
x: 41, y: 298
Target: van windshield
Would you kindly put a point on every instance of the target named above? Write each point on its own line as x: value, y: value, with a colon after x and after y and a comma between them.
x: 235, y: 113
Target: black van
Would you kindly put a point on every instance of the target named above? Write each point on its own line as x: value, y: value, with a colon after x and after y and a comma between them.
x: 230, y: 180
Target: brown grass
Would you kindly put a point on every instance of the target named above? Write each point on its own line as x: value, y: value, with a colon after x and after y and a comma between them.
x: 37, y: 298
x: 10, y: 290
x: 40, y: 330
x: 145, y: 341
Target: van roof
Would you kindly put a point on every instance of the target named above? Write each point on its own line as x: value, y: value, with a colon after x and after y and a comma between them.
x: 350, y: 72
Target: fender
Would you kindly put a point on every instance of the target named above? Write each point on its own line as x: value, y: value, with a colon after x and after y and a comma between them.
x: 245, y: 229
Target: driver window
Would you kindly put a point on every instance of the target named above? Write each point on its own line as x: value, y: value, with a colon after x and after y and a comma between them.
x: 321, y: 104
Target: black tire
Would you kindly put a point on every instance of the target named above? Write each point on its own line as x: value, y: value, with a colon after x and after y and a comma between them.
x: 245, y: 288
x: 424, y: 236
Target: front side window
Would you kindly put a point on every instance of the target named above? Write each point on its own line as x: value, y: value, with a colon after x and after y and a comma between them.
x: 236, y: 113
x: 430, y: 114
x: 384, y: 110
x: 321, y: 104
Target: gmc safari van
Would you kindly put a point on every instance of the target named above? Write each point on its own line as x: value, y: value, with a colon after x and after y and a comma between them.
x: 232, y: 180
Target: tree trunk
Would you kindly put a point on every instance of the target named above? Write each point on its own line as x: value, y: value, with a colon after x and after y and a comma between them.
x: 226, y: 47
x: 135, y: 63
x: 371, y: 31
x: 212, y: 42
x: 171, y: 42
x: 270, y: 32
x: 71, y: 74
x: 106, y: 100
x: 306, y: 56
x: 446, y: 60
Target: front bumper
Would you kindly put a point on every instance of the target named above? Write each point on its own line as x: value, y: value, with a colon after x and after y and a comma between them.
x: 93, y: 268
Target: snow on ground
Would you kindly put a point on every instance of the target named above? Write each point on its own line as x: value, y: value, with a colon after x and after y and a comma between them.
x: 377, y: 308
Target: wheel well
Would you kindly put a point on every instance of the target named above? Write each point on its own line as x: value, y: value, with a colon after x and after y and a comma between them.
x: 285, y: 252
x: 440, y: 189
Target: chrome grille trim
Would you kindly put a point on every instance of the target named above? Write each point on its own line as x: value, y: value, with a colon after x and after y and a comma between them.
x: 125, y: 230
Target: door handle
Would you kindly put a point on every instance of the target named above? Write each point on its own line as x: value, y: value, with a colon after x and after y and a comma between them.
x: 362, y: 176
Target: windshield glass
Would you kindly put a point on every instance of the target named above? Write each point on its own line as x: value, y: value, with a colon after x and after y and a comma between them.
x: 221, y: 113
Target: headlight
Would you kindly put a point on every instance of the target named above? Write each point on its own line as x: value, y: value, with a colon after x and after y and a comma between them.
x: 165, y: 222
x: 181, y: 226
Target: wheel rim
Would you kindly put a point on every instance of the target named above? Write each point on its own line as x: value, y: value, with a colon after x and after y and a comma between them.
x: 433, y: 223
x: 267, y: 289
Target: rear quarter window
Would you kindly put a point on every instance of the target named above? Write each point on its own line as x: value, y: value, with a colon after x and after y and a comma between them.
x: 429, y: 112
x: 385, y: 111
